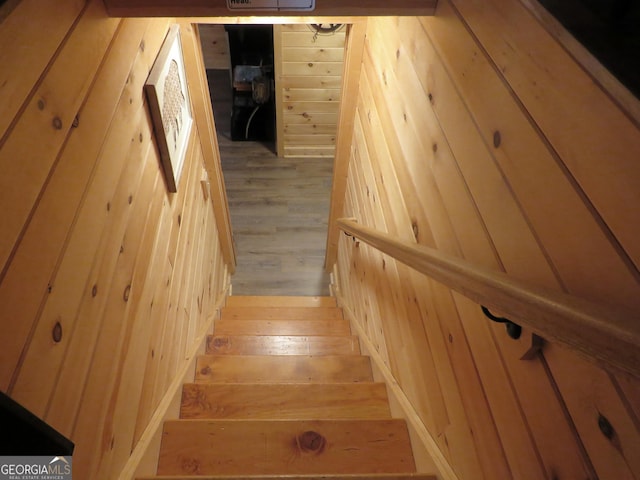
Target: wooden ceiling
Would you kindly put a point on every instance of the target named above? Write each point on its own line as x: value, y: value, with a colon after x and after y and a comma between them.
x: 218, y: 8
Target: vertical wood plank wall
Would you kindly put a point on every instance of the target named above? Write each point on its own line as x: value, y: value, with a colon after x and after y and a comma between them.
x: 215, y: 47
x: 308, y: 71
x: 106, y: 280
x: 477, y: 134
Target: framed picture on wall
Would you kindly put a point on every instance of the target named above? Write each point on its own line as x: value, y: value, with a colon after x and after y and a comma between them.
x: 170, y: 108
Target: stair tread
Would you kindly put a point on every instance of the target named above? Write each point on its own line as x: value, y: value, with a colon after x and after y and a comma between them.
x: 282, y: 327
x: 283, y: 368
x: 285, y: 401
x: 356, y: 476
x: 283, y: 393
x: 279, y: 301
x: 281, y: 313
x: 250, y: 447
x: 282, y: 345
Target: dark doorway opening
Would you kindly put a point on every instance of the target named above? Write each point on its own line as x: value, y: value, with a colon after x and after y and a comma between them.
x: 240, y: 73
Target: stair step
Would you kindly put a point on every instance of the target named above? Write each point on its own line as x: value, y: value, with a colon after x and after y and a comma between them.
x: 259, y: 447
x: 281, y: 313
x: 279, y: 301
x: 283, y: 369
x: 366, y: 476
x: 282, y: 327
x: 285, y: 401
x: 282, y: 345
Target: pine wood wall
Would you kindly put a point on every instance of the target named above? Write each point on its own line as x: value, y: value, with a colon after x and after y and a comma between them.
x: 215, y: 47
x: 106, y: 280
x: 476, y: 133
x: 308, y: 70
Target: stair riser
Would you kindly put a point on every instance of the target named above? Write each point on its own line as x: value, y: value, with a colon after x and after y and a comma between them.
x: 283, y: 327
x: 281, y: 313
x: 281, y: 345
x: 280, y: 301
x: 290, y: 401
x: 282, y: 369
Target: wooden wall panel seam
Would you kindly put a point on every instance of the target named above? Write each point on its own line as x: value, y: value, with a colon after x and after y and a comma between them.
x: 146, y: 405
x: 621, y: 95
x: 180, y: 215
x: 580, y: 108
x: 423, y: 232
x: 31, y: 59
x: 73, y: 307
x: 503, y: 215
x: 535, y: 162
x: 93, y: 397
x: 127, y: 375
x: 156, y: 254
x: 190, y: 261
x: 65, y: 186
x: 33, y: 378
x: 412, y: 105
x: 49, y: 116
x: 596, y: 407
x: 408, y: 333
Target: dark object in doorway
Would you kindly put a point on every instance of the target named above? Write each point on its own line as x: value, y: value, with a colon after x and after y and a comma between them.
x: 253, y: 105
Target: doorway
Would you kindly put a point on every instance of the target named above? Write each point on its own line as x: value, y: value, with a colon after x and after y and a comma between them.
x: 279, y: 206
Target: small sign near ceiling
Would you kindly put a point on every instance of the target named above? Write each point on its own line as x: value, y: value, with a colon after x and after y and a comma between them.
x: 274, y: 5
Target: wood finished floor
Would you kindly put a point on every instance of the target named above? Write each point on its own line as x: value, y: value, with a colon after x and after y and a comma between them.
x: 279, y: 209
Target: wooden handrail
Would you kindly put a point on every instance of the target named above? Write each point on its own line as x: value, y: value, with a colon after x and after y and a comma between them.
x: 609, y: 335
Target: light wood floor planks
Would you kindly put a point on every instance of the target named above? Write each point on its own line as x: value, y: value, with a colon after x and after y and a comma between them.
x: 279, y: 210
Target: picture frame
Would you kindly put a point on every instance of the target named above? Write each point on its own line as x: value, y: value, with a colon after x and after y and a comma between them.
x: 170, y: 107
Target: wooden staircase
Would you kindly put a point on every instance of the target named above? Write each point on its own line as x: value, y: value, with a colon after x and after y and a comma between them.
x: 283, y: 392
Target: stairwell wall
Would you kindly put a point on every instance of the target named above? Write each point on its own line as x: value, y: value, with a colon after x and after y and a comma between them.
x: 478, y: 134
x: 106, y: 279
x: 308, y: 69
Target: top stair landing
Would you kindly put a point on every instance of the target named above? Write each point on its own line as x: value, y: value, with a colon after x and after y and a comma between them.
x: 280, y: 301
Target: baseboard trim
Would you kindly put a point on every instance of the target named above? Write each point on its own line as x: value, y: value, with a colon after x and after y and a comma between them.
x: 421, y: 438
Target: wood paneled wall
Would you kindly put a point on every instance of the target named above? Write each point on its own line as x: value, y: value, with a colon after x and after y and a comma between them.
x: 106, y: 280
x: 308, y: 70
x: 477, y: 134
x: 215, y: 47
